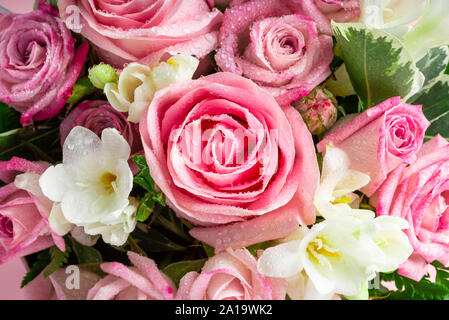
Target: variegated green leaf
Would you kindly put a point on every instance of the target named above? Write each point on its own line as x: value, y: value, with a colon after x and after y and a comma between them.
x: 378, y: 64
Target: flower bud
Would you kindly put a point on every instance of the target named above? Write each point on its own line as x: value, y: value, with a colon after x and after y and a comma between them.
x: 101, y: 74
x: 319, y: 110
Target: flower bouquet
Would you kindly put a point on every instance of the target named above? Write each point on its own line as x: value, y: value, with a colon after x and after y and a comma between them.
x: 212, y: 150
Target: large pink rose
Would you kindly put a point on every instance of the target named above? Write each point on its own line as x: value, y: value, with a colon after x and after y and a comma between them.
x: 144, y: 30
x: 38, y: 62
x: 98, y: 115
x: 230, y: 275
x: 144, y: 281
x: 269, y: 42
x: 380, y: 139
x: 230, y: 159
x: 419, y: 193
x: 24, y: 227
x: 323, y: 11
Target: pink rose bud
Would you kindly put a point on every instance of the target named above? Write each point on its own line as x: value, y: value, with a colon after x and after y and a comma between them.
x: 143, y: 281
x: 144, y: 31
x: 238, y: 193
x: 230, y: 275
x: 318, y: 110
x: 38, y: 62
x: 419, y: 193
x: 24, y: 213
x: 380, y: 139
x: 271, y: 43
x: 98, y: 115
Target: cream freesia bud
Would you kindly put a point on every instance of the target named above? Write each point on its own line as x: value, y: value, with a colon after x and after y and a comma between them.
x: 101, y: 74
x: 138, y: 83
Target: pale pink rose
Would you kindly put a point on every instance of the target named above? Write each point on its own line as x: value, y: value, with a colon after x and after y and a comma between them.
x: 24, y: 227
x: 419, y: 193
x: 323, y: 11
x: 144, y: 30
x: 38, y: 62
x: 144, y: 281
x: 55, y: 286
x: 230, y: 275
x: 231, y: 160
x: 380, y: 139
x: 98, y: 115
x: 269, y: 42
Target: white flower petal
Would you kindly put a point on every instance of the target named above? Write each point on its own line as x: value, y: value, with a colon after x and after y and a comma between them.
x: 115, y: 144
x: 53, y: 182
x: 281, y: 261
x: 79, y: 143
x: 58, y: 223
x: 115, y: 99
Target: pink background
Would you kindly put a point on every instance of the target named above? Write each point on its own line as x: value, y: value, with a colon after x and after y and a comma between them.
x: 12, y: 272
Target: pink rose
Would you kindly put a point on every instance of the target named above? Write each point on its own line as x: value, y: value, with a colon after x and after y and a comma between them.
x: 380, y: 139
x: 230, y: 275
x: 270, y: 43
x: 323, y: 11
x: 54, y: 287
x: 419, y: 193
x: 24, y: 227
x: 144, y: 281
x: 230, y: 159
x: 98, y: 115
x: 144, y: 30
x: 38, y: 62
x: 283, y: 52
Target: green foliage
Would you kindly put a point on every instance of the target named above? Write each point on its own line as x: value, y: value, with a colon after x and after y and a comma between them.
x: 177, y: 270
x: 9, y: 119
x: 378, y: 64
x: 53, y: 3
x: 82, y: 88
x: 43, y: 259
x: 58, y: 259
x: 152, y: 197
x: 85, y: 254
x: 434, y: 96
x: 259, y: 246
x: 409, y: 289
x: 210, y: 251
x: 152, y: 240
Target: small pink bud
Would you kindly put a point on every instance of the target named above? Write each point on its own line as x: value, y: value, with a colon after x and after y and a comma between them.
x: 319, y: 110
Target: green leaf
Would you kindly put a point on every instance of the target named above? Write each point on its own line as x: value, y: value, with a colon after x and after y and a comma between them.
x: 154, y: 241
x: 85, y: 254
x: 53, y: 3
x: 58, y: 259
x: 9, y: 119
x: 43, y: 259
x: 409, y: 289
x: 152, y: 196
x: 83, y: 87
x: 378, y: 64
x: 434, y: 96
x: 210, y: 251
x: 8, y: 139
x: 145, y: 208
x: 177, y: 270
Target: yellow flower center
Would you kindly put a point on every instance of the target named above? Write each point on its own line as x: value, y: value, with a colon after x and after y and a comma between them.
x: 109, y: 181
x: 344, y: 199
x: 319, y: 247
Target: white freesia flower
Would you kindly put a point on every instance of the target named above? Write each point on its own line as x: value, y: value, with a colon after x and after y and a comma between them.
x: 431, y: 31
x: 138, y: 83
x: 343, y: 252
x: 393, y: 16
x: 336, y: 191
x: 339, y: 254
x: 92, y: 185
